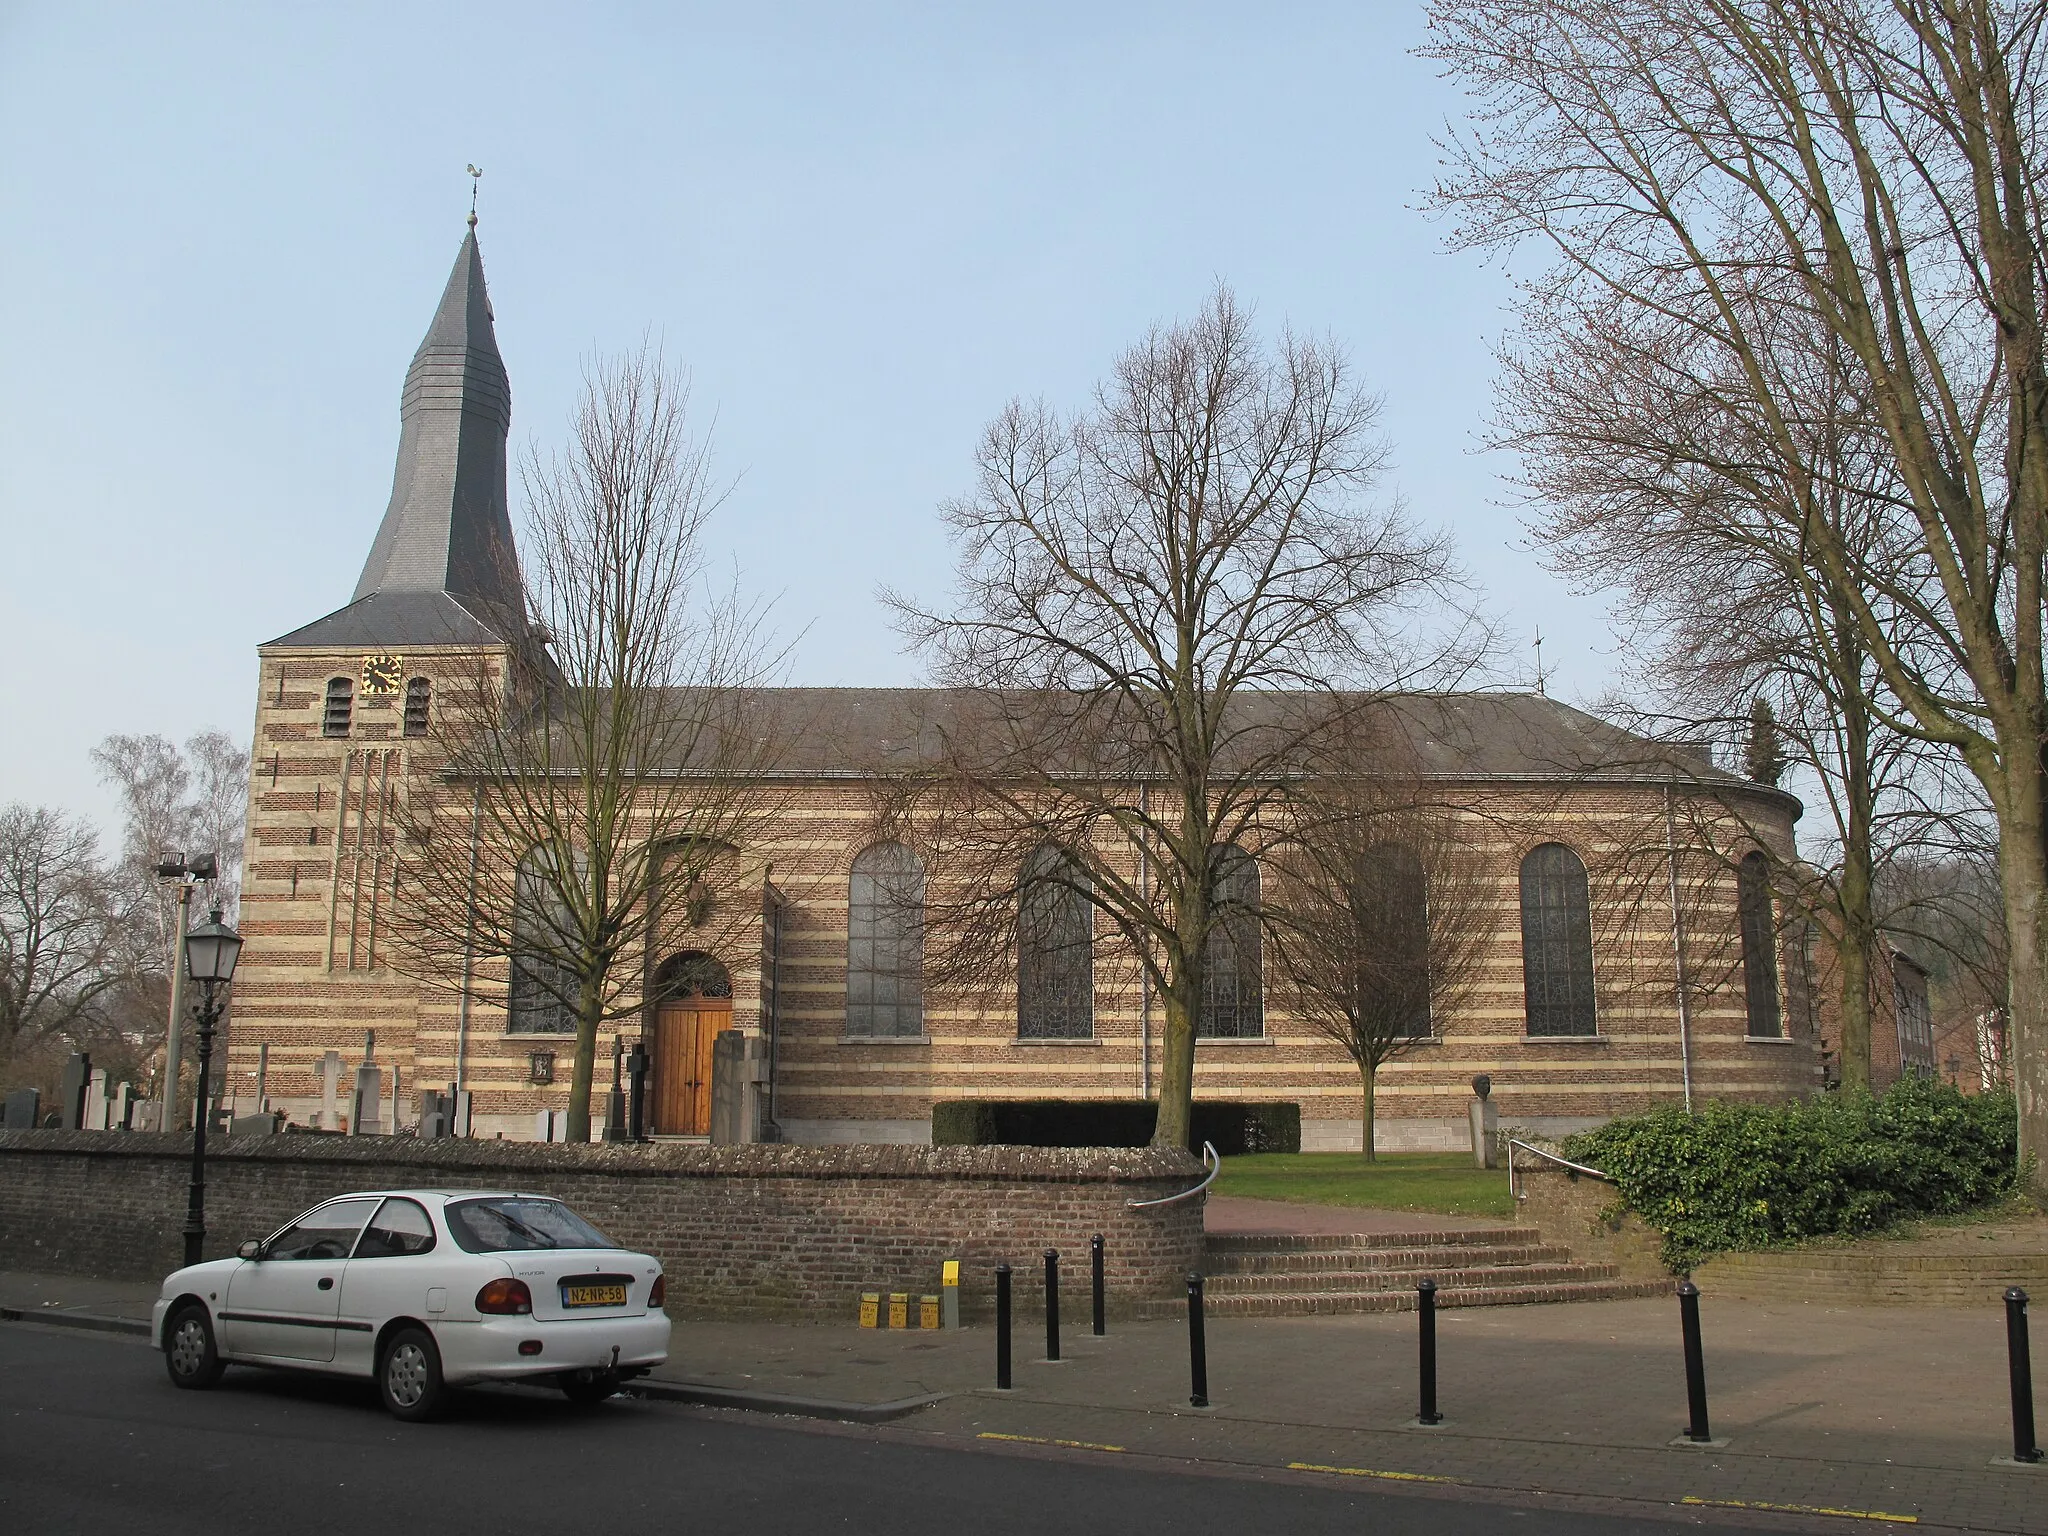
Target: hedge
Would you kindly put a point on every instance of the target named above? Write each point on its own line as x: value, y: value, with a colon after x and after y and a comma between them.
x: 1234, y: 1128
x: 1744, y: 1176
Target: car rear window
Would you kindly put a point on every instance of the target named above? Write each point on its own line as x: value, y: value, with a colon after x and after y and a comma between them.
x: 505, y: 1224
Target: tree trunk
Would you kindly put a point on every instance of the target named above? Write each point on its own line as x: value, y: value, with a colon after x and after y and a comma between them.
x: 1176, y: 1069
x: 1367, y: 1078
x: 1857, y: 947
x: 585, y: 1070
x: 2023, y: 874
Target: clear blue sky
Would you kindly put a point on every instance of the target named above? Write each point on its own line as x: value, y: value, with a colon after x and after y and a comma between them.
x: 864, y: 228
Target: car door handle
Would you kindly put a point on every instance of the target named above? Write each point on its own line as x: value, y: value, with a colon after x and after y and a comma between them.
x: 327, y: 1282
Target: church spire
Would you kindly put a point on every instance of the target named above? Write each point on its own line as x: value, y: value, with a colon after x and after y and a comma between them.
x: 447, y: 528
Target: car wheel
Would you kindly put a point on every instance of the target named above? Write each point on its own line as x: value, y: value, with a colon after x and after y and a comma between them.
x: 589, y: 1387
x: 190, y: 1354
x: 409, y: 1376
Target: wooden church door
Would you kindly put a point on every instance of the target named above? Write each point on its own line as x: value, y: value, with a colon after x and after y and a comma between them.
x: 695, y: 1007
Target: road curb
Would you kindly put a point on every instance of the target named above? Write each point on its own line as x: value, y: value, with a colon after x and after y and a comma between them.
x: 91, y: 1322
x: 770, y: 1402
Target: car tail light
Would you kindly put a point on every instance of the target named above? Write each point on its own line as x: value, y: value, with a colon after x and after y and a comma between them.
x: 657, y: 1293
x: 505, y: 1298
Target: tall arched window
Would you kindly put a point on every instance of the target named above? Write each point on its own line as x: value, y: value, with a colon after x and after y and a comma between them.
x: 540, y: 936
x: 1233, y: 1007
x: 1390, y: 910
x: 1759, y: 948
x: 1557, y: 943
x: 885, y: 943
x: 341, y: 698
x: 419, y: 695
x: 1055, y: 950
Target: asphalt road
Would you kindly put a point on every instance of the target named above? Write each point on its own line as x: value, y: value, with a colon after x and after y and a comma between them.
x: 93, y: 1438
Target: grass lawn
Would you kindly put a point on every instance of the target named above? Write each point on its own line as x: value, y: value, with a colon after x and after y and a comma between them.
x: 1445, y: 1182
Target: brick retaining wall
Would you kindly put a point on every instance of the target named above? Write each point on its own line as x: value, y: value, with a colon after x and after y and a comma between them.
x: 1571, y: 1208
x: 750, y: 1231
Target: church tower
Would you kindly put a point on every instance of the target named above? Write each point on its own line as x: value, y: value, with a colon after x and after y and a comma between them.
x: 343, y: 704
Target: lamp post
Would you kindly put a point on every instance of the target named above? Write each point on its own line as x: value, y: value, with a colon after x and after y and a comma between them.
x: 210, y: 954
x: 185, y: 869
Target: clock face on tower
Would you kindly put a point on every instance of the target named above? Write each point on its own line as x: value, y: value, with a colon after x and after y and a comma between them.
x: 382, y: 674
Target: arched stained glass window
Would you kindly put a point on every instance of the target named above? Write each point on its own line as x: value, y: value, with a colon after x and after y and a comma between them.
x: 541, y: 935
x: 1390, y: 901
x: 1557, y: 943
x: 1233, y: 1006
x: 341, y: 700
x: 885, y: 943
x: 1055, y: 950
x: 1759, y: 948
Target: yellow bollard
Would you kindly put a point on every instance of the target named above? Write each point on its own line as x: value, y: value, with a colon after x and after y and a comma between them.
x: 949, y: 1293
x: 928, y: 1312
x: 870, y: 1308
x: 899, y: 1309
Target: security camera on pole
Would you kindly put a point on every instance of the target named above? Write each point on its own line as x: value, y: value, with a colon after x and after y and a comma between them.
x: 185, y: 870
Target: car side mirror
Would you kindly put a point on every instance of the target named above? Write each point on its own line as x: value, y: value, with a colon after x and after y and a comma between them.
x: 250, y: 1250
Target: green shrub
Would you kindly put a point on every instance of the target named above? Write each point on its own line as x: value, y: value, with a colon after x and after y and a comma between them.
x: 1734, y: 1176
x: 1234, y: 1128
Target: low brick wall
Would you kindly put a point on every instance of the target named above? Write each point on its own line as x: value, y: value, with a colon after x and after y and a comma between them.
x: 1572, y: 1208
x: 1961, y: 1271
x: 754, y: 1231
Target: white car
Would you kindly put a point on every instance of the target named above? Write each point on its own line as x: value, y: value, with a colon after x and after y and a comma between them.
x: 424, y: 1290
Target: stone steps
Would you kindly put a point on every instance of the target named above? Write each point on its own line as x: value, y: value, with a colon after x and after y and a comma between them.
x: 1351, y: 1242
x: 1464, y: 1277
x: 1261, y: 1275
x: 1419, y: 1260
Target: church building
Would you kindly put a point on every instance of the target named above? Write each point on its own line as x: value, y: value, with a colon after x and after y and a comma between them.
x: 1635, y: 955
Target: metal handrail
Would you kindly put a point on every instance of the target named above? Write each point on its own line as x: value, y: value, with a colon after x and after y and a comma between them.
x: 1211, y: 1159
x: 1564, y: 1162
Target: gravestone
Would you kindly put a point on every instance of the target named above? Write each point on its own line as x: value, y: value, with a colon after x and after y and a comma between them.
x: 98, y: 1091
x: 71, y: 1095
x: 253, y: 1125
x: 433, y: 1116
x: 121, y: 1107
x: 24, y: 1107
x: 146, y: 1115
x: 364, y: 1113
x: 330, y: 1090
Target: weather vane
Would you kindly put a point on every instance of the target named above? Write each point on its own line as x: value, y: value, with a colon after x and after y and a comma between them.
x: 475, y: 175
x: 1539, y: 662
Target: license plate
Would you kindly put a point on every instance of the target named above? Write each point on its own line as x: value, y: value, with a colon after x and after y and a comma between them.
x: 593, y: 1295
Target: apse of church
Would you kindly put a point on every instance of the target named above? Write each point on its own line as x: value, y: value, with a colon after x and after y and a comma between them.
x: 1600, y: 991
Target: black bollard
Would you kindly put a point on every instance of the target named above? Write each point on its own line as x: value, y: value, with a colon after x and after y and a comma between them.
x: 1052, y: 1303
x: 1695, y: 1364
x: 1095, y: 1263
x: 2019, y: 1360
x: 1425, y: 1340
x: 1198, y: 1346
x: 1003, y: 1327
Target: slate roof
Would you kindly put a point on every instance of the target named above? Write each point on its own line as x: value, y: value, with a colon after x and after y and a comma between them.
x: 447, y: 532
x: 1475, y: 737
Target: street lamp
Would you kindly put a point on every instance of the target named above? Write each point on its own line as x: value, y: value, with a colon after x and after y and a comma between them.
x: 211, y: 950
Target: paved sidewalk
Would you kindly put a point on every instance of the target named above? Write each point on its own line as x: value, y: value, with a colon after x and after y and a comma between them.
x: 1878, y: 1412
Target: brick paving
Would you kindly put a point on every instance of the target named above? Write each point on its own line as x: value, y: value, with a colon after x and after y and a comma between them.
x: 1867, y: 1410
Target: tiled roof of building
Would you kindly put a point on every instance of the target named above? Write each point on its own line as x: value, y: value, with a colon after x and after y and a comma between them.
x: 830, y: 732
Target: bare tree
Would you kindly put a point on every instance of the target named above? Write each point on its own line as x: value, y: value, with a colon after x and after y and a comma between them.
x: 1380, y: 912
x: 1160, y: 603
x: 219, y: 810
x: 594, y: 779
x: 63, y: 929
x: 1748, y: 171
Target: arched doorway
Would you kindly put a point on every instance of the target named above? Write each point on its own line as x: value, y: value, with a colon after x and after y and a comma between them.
x: 692, y: 998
